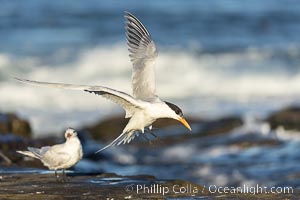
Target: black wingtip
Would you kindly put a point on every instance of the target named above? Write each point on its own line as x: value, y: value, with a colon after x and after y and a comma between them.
x: 21, y: 79
x: 128, y: 14
x: 16, y: 78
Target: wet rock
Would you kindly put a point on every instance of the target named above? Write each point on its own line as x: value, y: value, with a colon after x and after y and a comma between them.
x: 11, y: 143
x: 213, y: 127
x: 220, y: 126
x: 90, y: 146
x: 11, y: 123
x: 163, y: 123
x: 288, y: 118
x: 108, y: 128
x: 249, y: 142
x: 102, y: 186
x: 112, y: 186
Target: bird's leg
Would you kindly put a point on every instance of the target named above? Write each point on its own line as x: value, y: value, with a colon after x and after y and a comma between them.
x: 56, y: 175
x: 151, y: 132
x: 149, y: 129
x: 63, y: 175
x: 144, y: 136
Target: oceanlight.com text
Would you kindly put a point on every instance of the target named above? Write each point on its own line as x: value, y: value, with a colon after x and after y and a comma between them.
x: 257, y: 189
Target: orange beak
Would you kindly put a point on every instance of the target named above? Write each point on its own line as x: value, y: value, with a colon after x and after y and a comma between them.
x: 184, y: 122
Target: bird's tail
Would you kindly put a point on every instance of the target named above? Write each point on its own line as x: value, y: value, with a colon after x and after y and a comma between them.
x: 124, y: 138
x: 33, y: 152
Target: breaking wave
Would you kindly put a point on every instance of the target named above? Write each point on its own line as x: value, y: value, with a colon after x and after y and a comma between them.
x: 199, y: 81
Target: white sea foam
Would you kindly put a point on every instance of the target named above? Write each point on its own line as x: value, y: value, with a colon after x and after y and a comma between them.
x: 218, y: 81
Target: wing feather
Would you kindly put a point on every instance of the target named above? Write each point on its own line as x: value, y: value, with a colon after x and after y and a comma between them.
x: 129, y: 103
x: 143, y: 54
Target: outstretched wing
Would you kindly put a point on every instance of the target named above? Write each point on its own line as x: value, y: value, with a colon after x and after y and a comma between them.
x: 129, y: 103
x: 143, y: 55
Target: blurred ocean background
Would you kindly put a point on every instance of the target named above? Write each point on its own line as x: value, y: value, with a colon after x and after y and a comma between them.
x: 216, y: 58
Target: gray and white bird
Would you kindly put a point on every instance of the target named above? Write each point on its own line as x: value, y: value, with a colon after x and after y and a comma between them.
x: 144, y: 106
x: 59, y: 156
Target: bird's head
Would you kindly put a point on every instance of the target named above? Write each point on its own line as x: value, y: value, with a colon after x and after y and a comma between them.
x: 176, y: 113
x: 70, y: 133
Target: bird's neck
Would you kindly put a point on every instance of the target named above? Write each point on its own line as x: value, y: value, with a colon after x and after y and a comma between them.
x: 73, y: 140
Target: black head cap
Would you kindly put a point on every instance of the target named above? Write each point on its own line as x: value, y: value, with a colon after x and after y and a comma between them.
x: 175, y: 108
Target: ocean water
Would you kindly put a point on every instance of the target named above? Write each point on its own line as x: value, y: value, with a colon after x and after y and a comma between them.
x: 216, y: 58
x: 214, y: 160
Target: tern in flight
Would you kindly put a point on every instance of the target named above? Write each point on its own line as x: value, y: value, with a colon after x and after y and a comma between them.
x: 143, y: 107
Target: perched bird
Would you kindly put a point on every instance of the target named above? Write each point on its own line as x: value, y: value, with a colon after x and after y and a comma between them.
x: 144, y: 106
x: 60, y: 156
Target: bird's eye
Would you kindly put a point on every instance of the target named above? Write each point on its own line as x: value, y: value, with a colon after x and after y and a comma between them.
x: 178, y: 112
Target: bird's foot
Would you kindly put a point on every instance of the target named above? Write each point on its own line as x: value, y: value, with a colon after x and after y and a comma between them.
x: 146, y: 138
x: 156, y: 138
x: 63, y: 178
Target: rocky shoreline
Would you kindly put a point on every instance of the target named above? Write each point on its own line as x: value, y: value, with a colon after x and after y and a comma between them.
x: 103, y: 186
x: 18, y: 182
x: 112, y: 186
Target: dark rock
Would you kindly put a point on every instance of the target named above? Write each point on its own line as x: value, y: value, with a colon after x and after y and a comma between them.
x: 289, y: 118
x: 11, y: 123
x: 111, y: 186
x: 246, y: 145
x: 11, y: 143
x: 107, y: 129
x: 255, y: 142
x: 220, y: 126
x: 103, y: 186
x: 163, y: 123
x: 89, y: 147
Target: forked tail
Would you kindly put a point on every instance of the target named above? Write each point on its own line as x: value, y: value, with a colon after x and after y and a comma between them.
x: 124, y: 138
x: 33, y: 152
